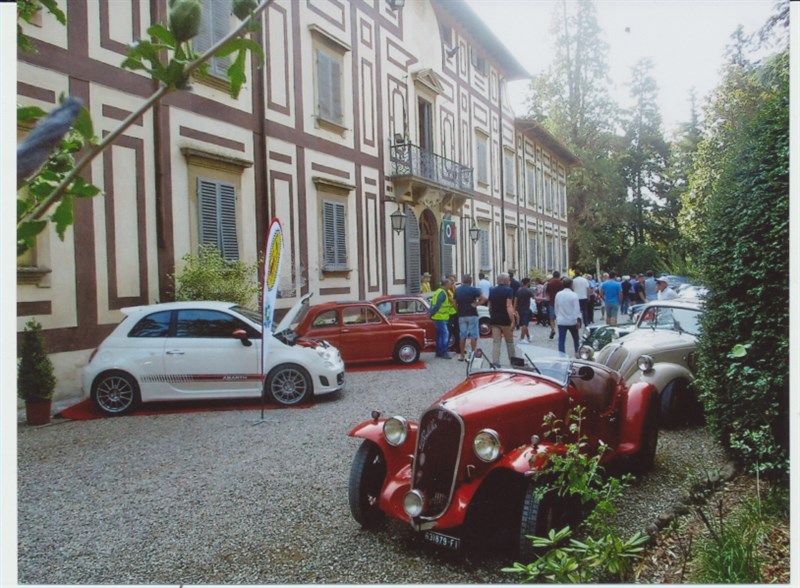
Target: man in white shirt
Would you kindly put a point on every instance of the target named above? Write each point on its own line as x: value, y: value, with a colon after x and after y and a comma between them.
x: 484, y: 284
x: 568, y: 315
x: 664, y: 292
x: 580, y: 285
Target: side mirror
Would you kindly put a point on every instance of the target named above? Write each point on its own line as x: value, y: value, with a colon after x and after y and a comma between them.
x: 241, y: 334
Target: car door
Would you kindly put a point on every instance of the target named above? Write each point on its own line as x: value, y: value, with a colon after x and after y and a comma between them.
x: 205, y: 360
x: 365, y: 335
x: 415, y: 311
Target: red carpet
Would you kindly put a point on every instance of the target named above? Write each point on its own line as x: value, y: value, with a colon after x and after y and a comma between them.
x: 86, y: 410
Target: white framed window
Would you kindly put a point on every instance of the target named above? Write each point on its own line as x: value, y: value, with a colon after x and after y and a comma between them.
x: 334, y: 236
x: 549, y: 253
x: 215, y: 23
x: 478, y: 61
x: 217, y: 216
x: 482, y: 158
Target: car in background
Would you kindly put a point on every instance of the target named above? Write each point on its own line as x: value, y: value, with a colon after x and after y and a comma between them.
x: 660, y: 350
x: 361, y: 332
x: 464, y: 469
x: 675, y: 282
x: 205, y: 350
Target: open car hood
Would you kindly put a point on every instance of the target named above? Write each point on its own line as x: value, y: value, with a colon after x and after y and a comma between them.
x: 294, y: 312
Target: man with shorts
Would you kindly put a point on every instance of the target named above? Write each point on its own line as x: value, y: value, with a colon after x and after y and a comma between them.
x: 467, y: 298
x: 611, y: 292
x: 523, y: 306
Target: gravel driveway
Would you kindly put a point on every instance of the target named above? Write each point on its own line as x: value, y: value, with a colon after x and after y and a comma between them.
x: 212, y: 498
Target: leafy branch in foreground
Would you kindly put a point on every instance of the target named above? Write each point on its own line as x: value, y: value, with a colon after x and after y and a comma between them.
x: 600, y: 555
x: 58, y: 180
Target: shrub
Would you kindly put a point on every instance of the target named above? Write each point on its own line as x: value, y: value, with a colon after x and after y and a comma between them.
x: 209, y: 276
x: 743, y: 356
x: 601, y: 555
x: 35, y: 379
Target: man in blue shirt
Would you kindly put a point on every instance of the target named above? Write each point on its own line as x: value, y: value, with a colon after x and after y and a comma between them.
x: 611, y: 291
x: 467, y: 298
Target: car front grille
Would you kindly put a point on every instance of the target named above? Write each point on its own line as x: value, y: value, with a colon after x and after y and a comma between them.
x: 617, y: 358
x: 441, y: 433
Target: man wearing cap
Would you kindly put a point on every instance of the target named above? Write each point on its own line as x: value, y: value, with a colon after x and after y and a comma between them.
x: 663, y: 289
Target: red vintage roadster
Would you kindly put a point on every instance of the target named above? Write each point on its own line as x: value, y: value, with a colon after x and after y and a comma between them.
x: 464, y: 470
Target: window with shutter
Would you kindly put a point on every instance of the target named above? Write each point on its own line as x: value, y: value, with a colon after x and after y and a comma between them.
x: 511, y: 184
x: 215, y: 23
x: 334, y: 242
x: 533, y: 251
x: 483, y: 241
x: 413, y: 265
x: 329, y: 87
x: 217, y: 216
x: 483, y: 159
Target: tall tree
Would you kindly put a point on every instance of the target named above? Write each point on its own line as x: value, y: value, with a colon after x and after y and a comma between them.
x: 571, y: 99
x: 645, y: 160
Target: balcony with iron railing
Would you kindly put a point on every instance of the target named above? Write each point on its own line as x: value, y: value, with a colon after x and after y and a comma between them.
x: 417, y: 171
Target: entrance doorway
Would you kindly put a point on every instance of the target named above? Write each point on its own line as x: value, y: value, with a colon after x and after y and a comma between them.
x: 429, y: 247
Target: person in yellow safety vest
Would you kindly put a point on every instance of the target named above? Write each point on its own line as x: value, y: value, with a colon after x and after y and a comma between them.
x: 440, y: 312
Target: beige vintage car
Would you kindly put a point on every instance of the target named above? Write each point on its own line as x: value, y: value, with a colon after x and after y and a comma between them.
x: 660, y: 350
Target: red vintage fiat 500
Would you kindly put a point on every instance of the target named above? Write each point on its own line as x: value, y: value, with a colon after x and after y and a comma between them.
x: 464, y: 469
x: 360, y: 332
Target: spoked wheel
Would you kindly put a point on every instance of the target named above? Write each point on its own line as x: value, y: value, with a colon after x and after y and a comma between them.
x: 406, y: 351
x: 289, y: 384
x: 367, y: 474
x: 115, y: 393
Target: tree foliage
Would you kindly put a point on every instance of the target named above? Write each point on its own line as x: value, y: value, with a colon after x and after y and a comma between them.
x: 742, y: 194
x: 572, y: 102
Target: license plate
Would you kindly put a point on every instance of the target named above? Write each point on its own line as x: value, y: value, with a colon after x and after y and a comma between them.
x: 443, y: 540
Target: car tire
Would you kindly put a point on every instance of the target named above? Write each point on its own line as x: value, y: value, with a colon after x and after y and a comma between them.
x: 643, y: 461
x: 537, y: 518
x: 367, y: 474
x: 484, y: 328
x: 406, y: 351
x: 289, y: 384
x: 115, y: 393
x: 674, y: 405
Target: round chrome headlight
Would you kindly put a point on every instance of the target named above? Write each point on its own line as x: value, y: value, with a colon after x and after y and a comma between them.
x: 645, y: 363
x: 412, y: 503
x: 586, y: 352
x: 395, y: 431
x: 486, y: 445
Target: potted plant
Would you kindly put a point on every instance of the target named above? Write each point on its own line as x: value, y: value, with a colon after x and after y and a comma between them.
x: 35, y: 380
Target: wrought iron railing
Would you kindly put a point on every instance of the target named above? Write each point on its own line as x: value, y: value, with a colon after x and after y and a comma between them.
x: 411, y: 160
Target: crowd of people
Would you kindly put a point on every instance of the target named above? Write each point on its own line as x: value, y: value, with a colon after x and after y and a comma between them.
x: 565, y: 304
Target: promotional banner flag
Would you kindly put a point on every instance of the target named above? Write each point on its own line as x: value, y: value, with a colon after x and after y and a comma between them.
x: 272, y: 271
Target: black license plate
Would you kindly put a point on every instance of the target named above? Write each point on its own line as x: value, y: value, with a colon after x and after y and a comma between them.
x: 443, y: 540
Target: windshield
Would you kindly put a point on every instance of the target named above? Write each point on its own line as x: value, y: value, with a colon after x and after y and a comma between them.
x: 540, y: 361
x: 684, y: 320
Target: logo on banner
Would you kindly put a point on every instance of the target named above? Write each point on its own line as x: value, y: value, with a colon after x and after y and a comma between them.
x: 449, y: 229
x: 274, y: 261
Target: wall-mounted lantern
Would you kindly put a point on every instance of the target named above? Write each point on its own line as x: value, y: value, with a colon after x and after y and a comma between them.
x: 474, y: 232
x: 398, y: 220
